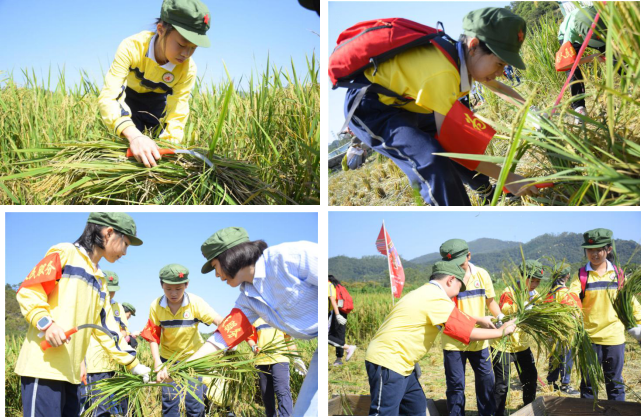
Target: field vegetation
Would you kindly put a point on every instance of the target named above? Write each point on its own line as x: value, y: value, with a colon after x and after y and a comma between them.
x: 595, y: 162
x: 263, y: 141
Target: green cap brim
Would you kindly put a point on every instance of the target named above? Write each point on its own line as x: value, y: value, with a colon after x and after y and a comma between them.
x: 113, y: 288
x: 133, y: 241
x: 193, y: 37
x: 459, y: 260
x: 207, y: 267
x: 595, y: 245
x: 172, y: 282
x: 512, y: 58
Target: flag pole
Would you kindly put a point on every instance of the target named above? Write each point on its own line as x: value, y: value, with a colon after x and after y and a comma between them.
x: 389, y: 264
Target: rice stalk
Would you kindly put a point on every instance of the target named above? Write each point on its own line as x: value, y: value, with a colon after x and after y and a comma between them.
x: 625, y: 298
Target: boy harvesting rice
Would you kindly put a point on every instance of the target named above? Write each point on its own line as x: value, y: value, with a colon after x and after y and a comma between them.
x: 478, y: 294
x: 65, y: 290
x: 410, y: 109
x: 407, y: 334
x: 596, y: 283
x: 152, y: 75
x: 172, y: 332
x: 278, y: 284
x: 517, y: 349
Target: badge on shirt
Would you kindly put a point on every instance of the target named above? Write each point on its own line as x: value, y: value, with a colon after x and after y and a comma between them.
x: 477, y: 283
x: 168, y: 77
x: 117, y: 313
x: 186, y: 315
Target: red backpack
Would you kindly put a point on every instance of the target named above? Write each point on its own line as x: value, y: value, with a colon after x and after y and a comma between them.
x: 583, y: 278
x: 344, y: 300
x: 367, y: 44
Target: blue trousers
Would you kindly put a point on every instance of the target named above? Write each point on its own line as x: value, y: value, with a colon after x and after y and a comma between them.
x: 171, y: 400
x: 104, y: 409
x: 49, y: 398
x: 611, y: 359
x: 455, y: 379
x: 407, y: 138
x: 525, y: 367
x: 274, y: 379
x: 394, y: 394
x: 307, y: 401
x: 564, y: 368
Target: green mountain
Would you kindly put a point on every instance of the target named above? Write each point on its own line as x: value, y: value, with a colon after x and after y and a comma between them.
x: 14, y: 322
x: 491, y: 254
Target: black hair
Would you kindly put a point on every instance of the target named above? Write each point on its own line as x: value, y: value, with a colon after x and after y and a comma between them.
x: 126, y: 309
x: 561, y: 279
x: 438, y: 276
x: 482, y: 45
x: 168, y: 26
x: 333, y: 280
x: 92, y: 237
x: 240, y: 256
x: 609, y: 257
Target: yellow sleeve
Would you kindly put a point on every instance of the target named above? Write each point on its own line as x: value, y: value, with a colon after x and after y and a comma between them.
x: 439, y: 92
x: 120, y: 352
x: 123, y: 318
x: 508, y: 308
x: 575, y: 286
x: 207, y: 314
x: 113, y: 115
x: 489, y: 287
x: 440, y: 311
x: 33, y: 300
x: 177, y: 109
x: 636, y: 306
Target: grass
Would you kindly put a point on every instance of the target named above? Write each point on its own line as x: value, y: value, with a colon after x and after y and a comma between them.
x: 240, y: 392
x: 596, y: 163
x: 369, y: 313
x: 263, y: 141
x: 623, y: 302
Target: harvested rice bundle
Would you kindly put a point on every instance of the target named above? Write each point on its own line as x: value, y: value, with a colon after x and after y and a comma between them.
x: 624, y: 300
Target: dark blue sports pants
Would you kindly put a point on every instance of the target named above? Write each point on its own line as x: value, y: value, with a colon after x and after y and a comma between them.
x: 564, y: 368
x: 104, y: 409
x: 49, y: 398
x: 408, y: 139
x: 455, y: 379
x: 274, y: 380
x: 393, y: 394
x: 171, y: 400
x: 611, y: 359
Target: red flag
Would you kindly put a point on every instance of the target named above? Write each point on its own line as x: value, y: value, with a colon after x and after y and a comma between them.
x: 386, y: 247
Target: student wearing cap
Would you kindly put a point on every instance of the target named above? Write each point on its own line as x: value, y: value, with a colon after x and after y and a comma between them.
x: 406, y: 131
x: 337, y: 324
x: 67, y: 289
x: 517, y: 349
x: 97, y: 364
x: 172, y: 332
x: 478, y: 295
x: 130, y: 311
x: 278, y: 284
x: 572, y: 33
x: 407, y: 334
x: 152, y: 75
x: 602, y: 279
x: 561, y: 361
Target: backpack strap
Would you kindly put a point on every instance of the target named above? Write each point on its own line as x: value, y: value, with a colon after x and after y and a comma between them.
x: 583, y: 278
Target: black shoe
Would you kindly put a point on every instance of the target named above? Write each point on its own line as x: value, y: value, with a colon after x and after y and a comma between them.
x: 569, y: 390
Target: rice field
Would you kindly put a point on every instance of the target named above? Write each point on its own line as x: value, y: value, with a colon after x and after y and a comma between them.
x: 370, y: 309
x: 263, y: 141
x: 239, y: 394
x: 596, y: 162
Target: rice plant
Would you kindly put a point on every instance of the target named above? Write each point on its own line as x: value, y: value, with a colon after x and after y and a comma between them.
x: 623, y: 302
x: 263, y: 141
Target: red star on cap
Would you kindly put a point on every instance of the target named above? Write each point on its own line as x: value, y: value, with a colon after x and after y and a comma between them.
x: 181, y: 275
x: 521, y: 36
x: 206, y: 19
x: 591, y: 241
x: 449, y: 256
x: 111, y: 279
x: 541, y: 271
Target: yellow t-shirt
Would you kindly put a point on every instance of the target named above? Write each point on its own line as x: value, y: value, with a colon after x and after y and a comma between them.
x: 409, y: 330
x: 331, y: 293
x: 479, y: 288
x: 179, y: 333
x: 133, y: 66
x: 80, y: 297
x: 266, y: 335
x: 422, y: 73
x: 98, y: 360
x: 517, y: 341
x: 601, y: 321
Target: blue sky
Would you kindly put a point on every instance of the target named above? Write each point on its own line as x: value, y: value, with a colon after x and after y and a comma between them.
x: 417, y: 233
x: 168, y: 238
x: 342, y: 15
x: 80, y: 34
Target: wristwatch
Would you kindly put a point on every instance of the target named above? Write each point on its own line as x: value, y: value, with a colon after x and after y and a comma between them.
x: 44, y: 323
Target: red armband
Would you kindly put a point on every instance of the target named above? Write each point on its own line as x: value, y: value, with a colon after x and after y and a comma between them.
x: 47, y: 272
x: 459, y: 326
x: 505, y: 298
x: 151, y: 332
x: 254, y: 335
x: 572, y: 300
x: 235, y: 328
x: 464, y: 133
x: 565, y: 57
